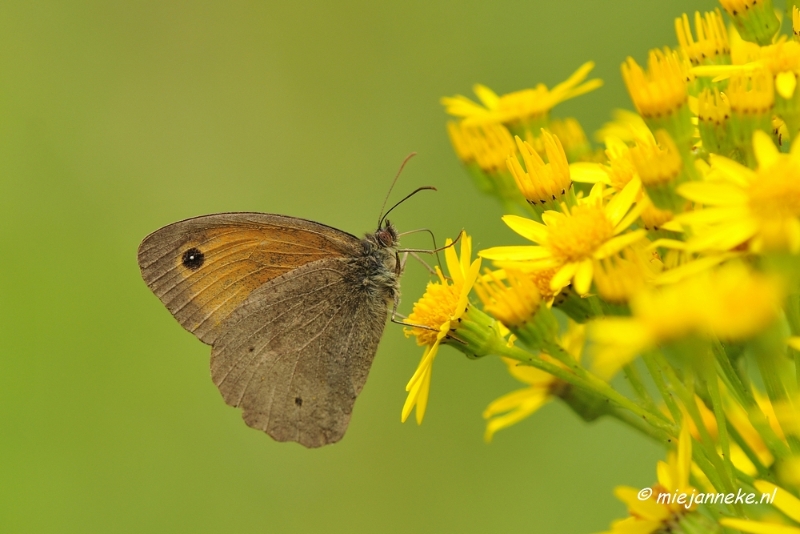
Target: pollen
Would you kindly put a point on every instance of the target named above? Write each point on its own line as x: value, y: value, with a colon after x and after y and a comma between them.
x: 513, y: 304
x: 577, y: 236
x: 434, y: 309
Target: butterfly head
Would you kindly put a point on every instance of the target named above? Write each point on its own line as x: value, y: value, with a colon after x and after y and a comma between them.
x: 386, y: 236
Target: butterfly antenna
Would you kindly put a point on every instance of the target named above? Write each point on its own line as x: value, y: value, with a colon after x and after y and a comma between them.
x: 414, y: 192
x: 400, y: 170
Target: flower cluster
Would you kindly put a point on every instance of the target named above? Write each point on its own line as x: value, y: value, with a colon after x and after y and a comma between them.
x: 670, y: 254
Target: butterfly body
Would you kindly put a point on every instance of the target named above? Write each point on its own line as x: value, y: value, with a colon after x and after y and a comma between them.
x: 293, y: 310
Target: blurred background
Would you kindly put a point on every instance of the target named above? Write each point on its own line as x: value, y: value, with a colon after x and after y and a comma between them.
x: 117, y: 118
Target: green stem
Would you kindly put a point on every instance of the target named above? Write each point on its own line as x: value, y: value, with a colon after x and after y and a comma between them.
x: 635, y: 380
x: 687, y: 398
x: 641, y: 426
x: 763, y: 471
x: 745, y: 398
x: 710, y: 377
x: 663, y: 389
x: 585, y: 380
x: 776, y: 390
x: 793, y: 318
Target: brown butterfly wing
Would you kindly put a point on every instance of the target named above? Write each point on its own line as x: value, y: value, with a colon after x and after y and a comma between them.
x: 297, y: 352
x: 204, y: 268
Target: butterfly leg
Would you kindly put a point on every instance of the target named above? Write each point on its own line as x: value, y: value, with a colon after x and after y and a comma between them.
x: 395, y: 315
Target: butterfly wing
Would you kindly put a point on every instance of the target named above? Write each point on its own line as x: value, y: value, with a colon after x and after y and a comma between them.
x: 296, y: 354
x: 204, y: 268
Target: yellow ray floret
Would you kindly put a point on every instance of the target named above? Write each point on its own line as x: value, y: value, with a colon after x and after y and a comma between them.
x: 759, y: 209
x: 519, y: 106
x: 570, y: 240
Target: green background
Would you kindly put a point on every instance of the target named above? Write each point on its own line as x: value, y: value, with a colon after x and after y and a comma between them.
x: 117, y: 118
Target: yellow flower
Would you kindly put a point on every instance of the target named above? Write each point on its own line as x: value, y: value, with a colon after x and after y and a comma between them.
x: 796, y: 22
x: 570, y: 132
x: 517, y: 405
x: 647, y: 514
x: 520, y: 106
x: 513, y: 304
x: 660, y: 90
x: 755, y: 19
x: 784, y: 501
x: 781, y: 60
x: 627, y: 126
x: 489, y: 146
x: 540, y: 182
x: 712, y: 38
x: 713, y: 117
x: 756, y: 208
x: 728, y: 303
x: 440, y: 309
x: 571, y: 240
x: 752, y: 93
x: 657, y: 160
x: 618, y: 278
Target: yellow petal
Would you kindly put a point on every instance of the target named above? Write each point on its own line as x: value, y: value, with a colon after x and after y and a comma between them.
x: 726, y: 237
x: 563, y: 276
x: 691, y: 268
x: 466, y: 252
x: 527, y: 228
x: 520, y: 253
x: 713, y: 193
x: 732, y: 170
x: 488, y: 97
x: 588, y: 173
x: 451, y: 260
x: 647, y: 509
x: 684, y: 464
x: 785, y: 83
x: 422, y: 400
x: 666, y: 243
x: 765, y: 150
x: 630, y: 218
x: 615, y: 244
x: 469, y: 281
x: 525, y: 408
x: 622, y: 202
x: 784, y: 501
x: 424, y: 363
x: 577, y: 77
x: 551, y: 217
x: 512, y: 400
x: 583, y: 277
x: 712, y: 215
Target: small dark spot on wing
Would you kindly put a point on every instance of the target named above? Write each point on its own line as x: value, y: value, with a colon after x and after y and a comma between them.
x: 298, y: 401
x: 193, y: 259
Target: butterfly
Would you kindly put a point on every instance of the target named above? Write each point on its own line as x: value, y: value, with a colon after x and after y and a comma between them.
x: 293, y: 311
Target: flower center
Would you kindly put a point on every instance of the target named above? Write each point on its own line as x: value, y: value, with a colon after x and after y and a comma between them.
x: 775, y: 194
x: 576, y: 236
x: 434, y: 309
